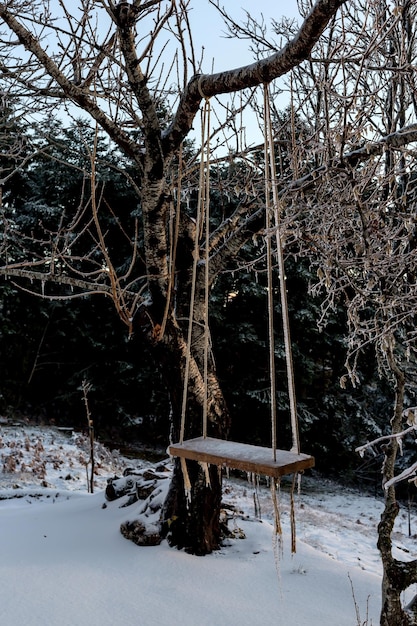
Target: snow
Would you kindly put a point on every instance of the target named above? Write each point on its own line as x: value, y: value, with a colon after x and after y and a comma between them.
x: 64, y: 561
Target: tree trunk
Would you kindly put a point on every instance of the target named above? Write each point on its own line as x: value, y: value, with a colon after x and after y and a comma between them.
x: 397, y: 575
x: 193, y: 523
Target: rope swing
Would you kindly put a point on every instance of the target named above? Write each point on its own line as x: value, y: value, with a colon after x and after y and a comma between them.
x: 272, y: 220
x: 273, y: 209
x: 208, y: 450
x: 203, y: 217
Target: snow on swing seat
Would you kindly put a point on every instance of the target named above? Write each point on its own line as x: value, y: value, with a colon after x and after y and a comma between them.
x: 241, y: 456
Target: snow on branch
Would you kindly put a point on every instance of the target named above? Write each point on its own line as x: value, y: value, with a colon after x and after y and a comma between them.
x: 409, y: 471
x: 398, y: 436
x: 411, y: 415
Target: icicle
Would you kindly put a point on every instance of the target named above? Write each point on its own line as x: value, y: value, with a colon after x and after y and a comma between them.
x: 400, y: 445
x: 293, y: 526
x: 277, y: 535
x: 187, y: 482
x: 253, y: 480
x: 205, y: 468
x: 277, y: 516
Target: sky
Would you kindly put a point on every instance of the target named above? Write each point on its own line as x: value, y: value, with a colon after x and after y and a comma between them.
x: 223, y: 53
x: 64, y: 561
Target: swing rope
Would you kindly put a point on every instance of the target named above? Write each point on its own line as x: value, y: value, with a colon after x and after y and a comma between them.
x: 274, y: 208
x: 201, y: 218
x: 268, y: 184
x: 205, y: 179
x: 174, y: 225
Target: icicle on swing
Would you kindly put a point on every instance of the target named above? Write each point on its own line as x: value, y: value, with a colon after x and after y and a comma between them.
x: 257, y: 460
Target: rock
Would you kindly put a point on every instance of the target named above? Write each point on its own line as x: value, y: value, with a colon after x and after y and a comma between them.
x: 144, y: 490
x: 136, y: 531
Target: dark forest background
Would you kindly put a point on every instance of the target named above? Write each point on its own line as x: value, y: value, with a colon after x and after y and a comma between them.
x: 49, y: 348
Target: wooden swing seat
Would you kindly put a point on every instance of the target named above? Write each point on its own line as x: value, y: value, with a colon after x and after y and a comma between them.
x: 241, y: 456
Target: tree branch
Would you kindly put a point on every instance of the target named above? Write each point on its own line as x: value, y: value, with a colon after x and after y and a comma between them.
x: 57, y: 279
x: 75, y: 93
x: 396, y: 140
x: 264, y: 71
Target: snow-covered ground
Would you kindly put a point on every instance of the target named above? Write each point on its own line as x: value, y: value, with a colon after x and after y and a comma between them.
x: 63, y: 560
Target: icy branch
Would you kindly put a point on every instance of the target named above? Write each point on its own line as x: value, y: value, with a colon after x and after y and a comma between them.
x: 397, y: 436
x: 410, y: 471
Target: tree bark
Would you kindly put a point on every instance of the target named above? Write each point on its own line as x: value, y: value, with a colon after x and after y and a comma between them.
x: 193, y: 523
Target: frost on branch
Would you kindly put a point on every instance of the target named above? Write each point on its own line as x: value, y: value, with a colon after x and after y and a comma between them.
x: 409, y: 471
x: 410, y: 415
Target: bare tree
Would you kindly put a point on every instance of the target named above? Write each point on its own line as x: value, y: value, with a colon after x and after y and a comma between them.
x: 98, y: 59
x: 349, y: 205
x: 348, y: 198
